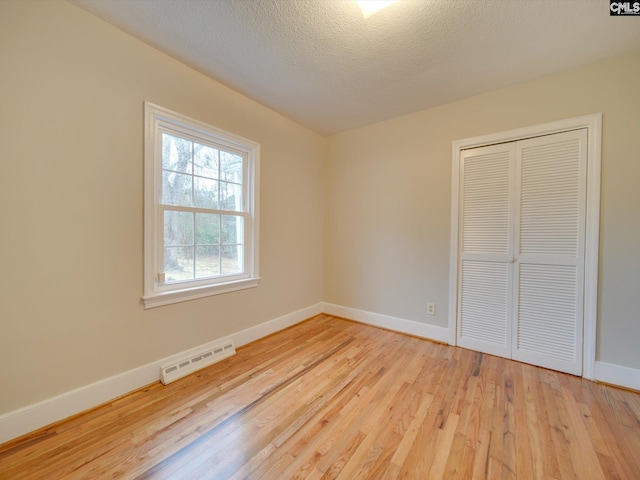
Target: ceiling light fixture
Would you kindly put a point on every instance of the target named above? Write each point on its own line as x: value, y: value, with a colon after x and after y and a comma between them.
x: 370, y: 7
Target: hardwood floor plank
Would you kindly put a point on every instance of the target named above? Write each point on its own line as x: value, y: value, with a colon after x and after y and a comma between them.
x: 334, y: 399
x: 445, y: 440
x: 408, y: 438
x: 544, y: 458
x: 527, y: 443
x: 481, y: 458
x: 557, y: 422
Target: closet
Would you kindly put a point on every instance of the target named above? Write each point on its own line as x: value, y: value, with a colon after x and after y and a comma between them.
x: 521, y: 249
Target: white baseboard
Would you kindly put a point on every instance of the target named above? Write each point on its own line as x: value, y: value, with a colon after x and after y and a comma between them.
x: 30, y: 418
x: 37, y: 415
x: 618, y: 375
x: 267, y: 328
x: 424, y: 330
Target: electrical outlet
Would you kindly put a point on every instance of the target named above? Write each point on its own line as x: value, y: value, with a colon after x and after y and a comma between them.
x: 431, y: 308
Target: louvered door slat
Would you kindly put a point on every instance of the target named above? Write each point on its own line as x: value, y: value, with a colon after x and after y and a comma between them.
x: 550, y: 197
x: 547, y: 310
x: 485, y: 202
x: 483, y: 307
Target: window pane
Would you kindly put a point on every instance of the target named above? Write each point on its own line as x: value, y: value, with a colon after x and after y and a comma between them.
x: 178, y: 263
x: 232, y: 229
x: 232, y: 259
x: 207, y: 229
x: 230, y: 167
x: 230, y: 196
x: 176, y: 189
x: 207, y: 261
x: 176, y: 153
x: 206, y: 193
x: 206, y: 161
x: 178, y: 228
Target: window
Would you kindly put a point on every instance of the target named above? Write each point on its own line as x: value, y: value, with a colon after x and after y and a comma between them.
x: 201, y: 209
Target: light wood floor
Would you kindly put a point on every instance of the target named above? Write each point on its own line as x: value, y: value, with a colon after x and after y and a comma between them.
x: 330, y: 398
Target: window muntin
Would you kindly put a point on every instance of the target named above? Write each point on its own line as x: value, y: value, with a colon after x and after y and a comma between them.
x: 204, y: 209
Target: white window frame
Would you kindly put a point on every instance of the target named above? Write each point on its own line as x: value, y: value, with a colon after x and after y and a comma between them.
x: 156, y: 291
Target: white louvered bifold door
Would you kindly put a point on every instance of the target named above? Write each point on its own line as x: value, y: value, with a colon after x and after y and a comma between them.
x: 485, y: 272
x: 549, y: 262
x: 521, y: 257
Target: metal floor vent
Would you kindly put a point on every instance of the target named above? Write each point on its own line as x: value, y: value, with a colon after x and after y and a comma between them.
x: 205, y: 356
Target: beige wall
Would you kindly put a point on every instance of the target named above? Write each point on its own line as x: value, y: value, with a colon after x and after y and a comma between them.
x: 389, y: 198
x: 71, y: 135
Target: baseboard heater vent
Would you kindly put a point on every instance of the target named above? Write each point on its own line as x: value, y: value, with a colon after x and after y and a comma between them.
x: 202, y: 357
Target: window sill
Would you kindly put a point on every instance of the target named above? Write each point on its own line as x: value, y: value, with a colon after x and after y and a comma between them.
x: 167, y: 298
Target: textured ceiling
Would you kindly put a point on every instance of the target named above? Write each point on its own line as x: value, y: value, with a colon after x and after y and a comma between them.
x: 320, y: 63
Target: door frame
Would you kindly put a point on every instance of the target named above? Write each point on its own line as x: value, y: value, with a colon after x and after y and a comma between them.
x: 593, y: 124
